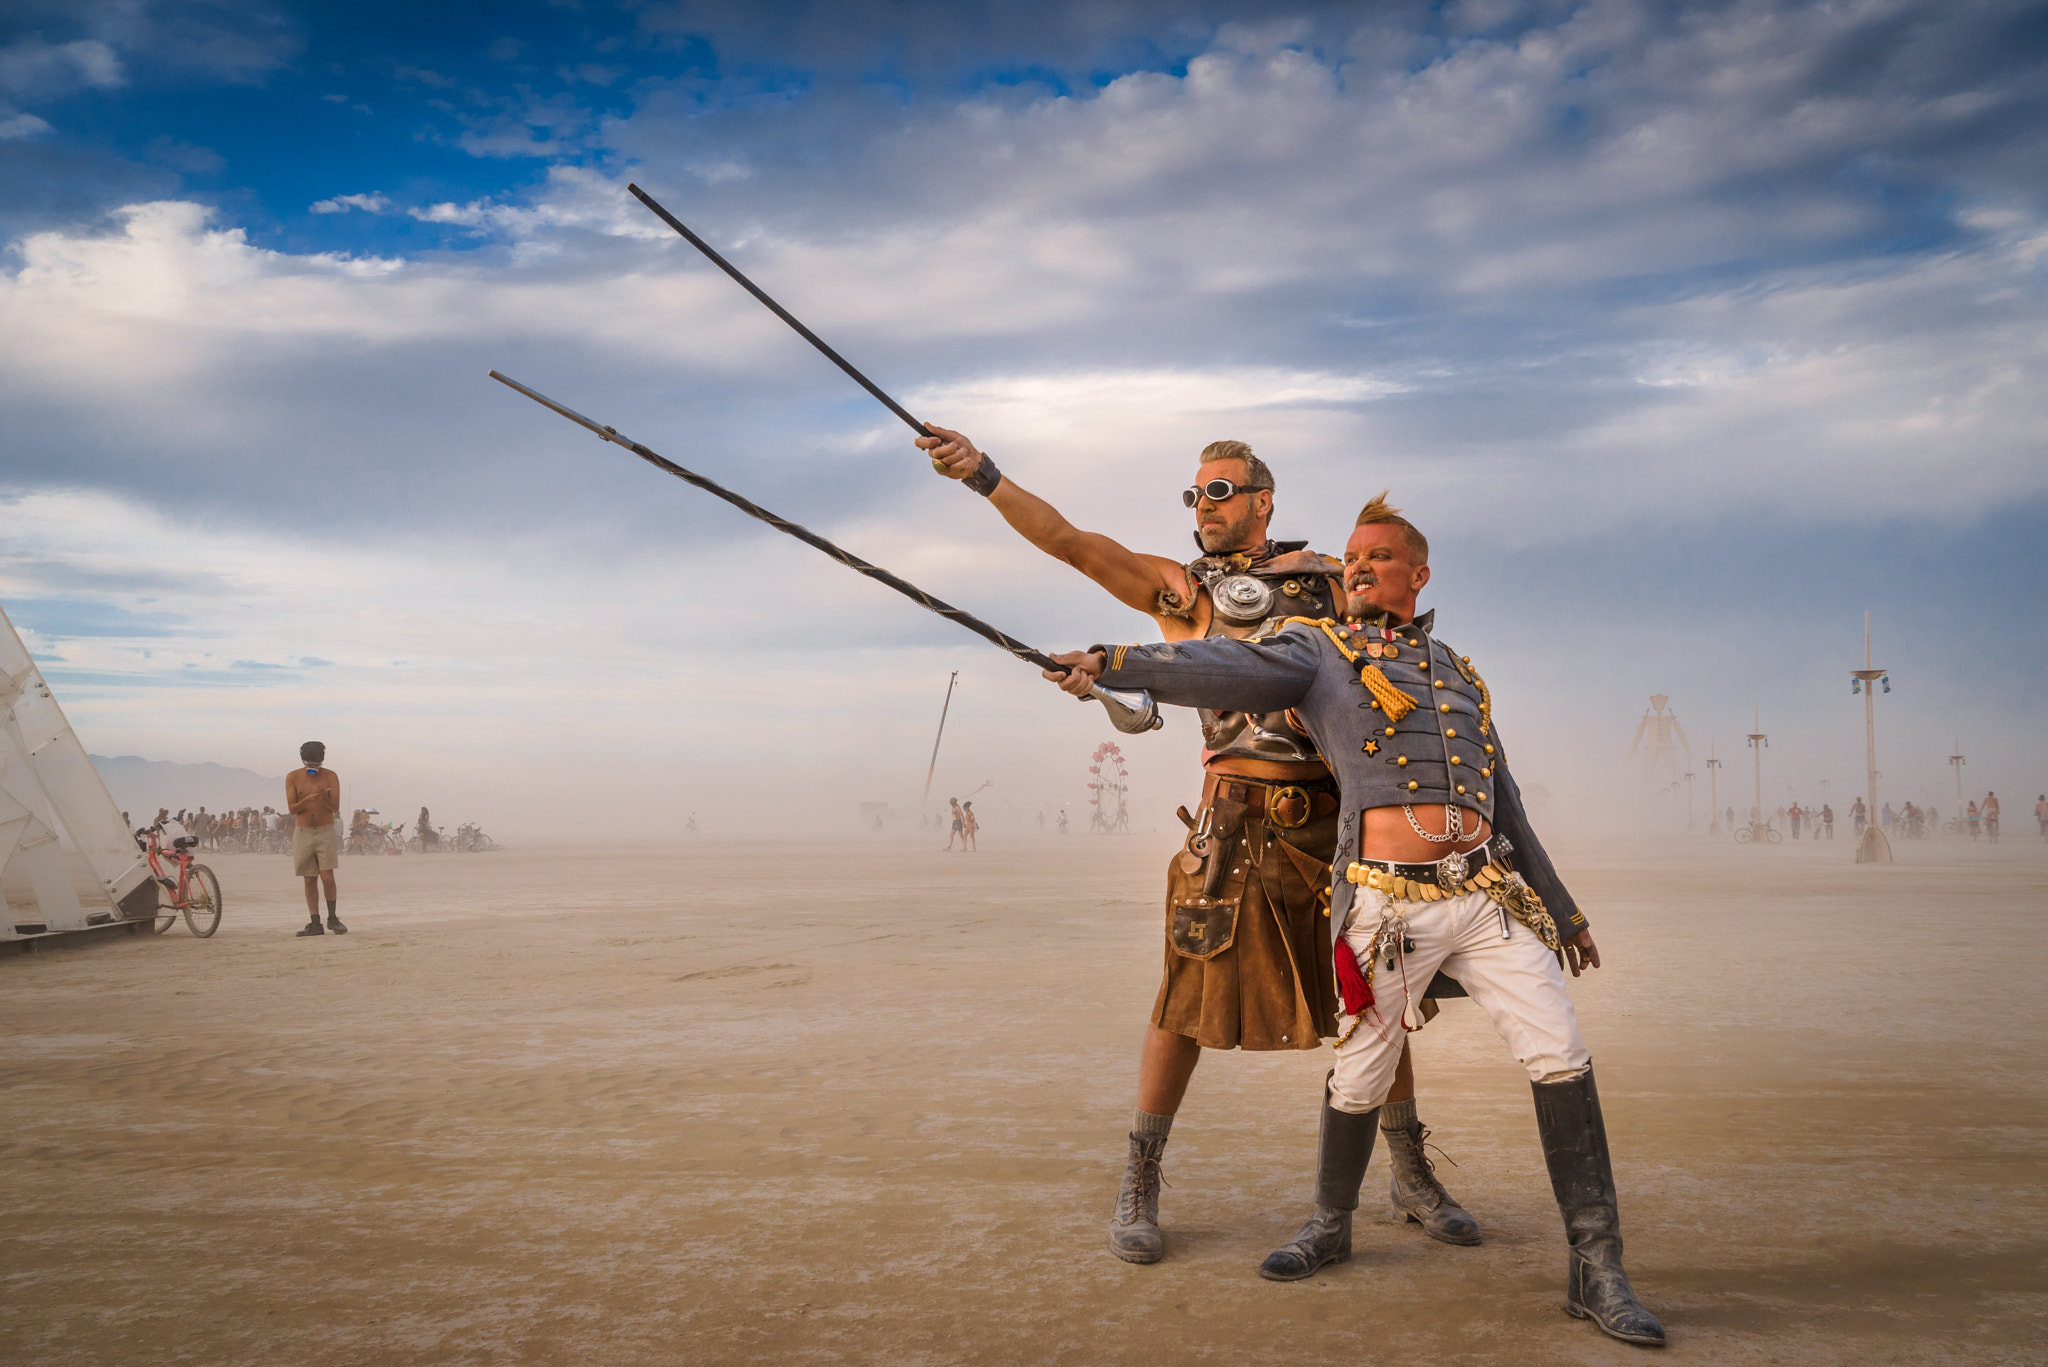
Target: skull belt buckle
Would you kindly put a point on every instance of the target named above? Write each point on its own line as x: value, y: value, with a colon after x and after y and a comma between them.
x: 1281, y: 801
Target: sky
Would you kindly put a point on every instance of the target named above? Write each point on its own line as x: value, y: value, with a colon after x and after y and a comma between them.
x: 1689, y: 333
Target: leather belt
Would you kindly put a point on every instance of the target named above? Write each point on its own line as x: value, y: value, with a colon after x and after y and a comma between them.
x: 1286, y: 805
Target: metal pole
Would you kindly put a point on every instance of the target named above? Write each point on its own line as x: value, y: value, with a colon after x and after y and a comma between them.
x: 1956, y: 762
x: 1131, y: 717
x: 1713, y: 790
x: 778, y: 310
x: 1757, y: 741
x: 1759, y: 778
x: 1875, y: 847
x: 951, y: 679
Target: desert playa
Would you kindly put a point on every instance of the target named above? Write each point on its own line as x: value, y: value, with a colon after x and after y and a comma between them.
x: 866, y: 1102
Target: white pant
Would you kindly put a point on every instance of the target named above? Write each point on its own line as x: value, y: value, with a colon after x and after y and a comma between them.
x: 1515, y: 980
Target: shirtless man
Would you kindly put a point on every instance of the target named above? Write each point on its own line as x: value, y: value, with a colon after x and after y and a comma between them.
x: 312, y: 795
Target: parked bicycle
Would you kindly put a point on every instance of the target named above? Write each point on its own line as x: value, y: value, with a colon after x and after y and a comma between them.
x: 470, y: 839
x: 195, y: 891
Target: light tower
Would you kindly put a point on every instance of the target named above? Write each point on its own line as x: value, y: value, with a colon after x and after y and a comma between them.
x: 1759, y: 831
x: 1713, y: 791
x: 1956, y: 762
x: 1873, y: 848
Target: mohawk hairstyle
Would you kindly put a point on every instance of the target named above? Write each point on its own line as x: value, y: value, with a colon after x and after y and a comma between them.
x: 1378, y: 510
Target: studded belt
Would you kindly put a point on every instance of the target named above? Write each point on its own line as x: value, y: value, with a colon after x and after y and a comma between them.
x: 1428, y: 882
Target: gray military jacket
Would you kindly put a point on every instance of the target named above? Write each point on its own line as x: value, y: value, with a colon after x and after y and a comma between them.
x: 1398, y: 717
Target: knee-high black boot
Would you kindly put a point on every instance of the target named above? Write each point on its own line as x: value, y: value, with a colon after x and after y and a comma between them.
x: 1575, y: 1149
x: 1342, y: 1151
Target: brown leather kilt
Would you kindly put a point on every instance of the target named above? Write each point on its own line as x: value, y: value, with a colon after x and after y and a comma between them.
x: 1273, y: 985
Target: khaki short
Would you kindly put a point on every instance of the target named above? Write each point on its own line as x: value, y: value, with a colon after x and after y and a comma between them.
x: 315, y: 848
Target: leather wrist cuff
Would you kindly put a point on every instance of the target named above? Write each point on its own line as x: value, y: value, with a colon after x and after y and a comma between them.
x: 985, y: 478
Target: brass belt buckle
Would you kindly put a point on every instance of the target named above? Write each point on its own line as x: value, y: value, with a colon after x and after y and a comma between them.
x: 1276, y: 796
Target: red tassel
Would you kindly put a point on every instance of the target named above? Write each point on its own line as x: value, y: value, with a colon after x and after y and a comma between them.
x: 1351, y: 984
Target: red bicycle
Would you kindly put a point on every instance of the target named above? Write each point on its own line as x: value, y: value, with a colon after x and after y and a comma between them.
x: 195, y: 890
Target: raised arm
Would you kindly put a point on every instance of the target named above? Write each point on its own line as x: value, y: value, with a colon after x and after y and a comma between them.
x: 1135, y: 580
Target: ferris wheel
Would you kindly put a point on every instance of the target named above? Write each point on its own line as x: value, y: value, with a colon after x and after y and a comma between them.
x: 1108, y: 782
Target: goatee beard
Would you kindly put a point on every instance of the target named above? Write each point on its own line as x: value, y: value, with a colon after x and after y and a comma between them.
x: 1223, y: 540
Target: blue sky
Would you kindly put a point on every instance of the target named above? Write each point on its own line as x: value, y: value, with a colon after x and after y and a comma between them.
x: 1689, y: 332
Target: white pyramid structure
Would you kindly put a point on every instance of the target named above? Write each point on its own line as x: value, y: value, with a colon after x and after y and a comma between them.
x: 48, y: 785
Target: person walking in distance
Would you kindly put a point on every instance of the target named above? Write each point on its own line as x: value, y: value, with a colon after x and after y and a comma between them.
x: 312, y: 795
x: 1827, y: 821
x: 1990, y: 810
x: 2041, y: 814
x: 968, y: 827
x: 959, y: 826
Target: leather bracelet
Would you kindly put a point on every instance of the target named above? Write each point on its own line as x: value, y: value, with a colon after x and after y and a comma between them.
x: 985, y: 477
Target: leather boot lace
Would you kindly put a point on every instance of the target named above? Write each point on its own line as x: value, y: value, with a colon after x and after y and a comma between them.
x: 1139, y: 1198
x: 1424, y: 1172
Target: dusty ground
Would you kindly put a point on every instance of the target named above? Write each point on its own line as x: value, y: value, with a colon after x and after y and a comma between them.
x: 860, y: 1104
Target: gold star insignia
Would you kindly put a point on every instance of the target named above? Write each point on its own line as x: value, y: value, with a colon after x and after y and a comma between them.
x: 1372, y: 747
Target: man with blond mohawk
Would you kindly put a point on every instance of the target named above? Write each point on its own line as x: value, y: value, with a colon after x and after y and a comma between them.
x: 1437, y: 870
x: 1247, y: 929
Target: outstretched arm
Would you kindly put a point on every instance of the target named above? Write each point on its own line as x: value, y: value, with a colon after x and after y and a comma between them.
x: 1266, y: 675
x: 1132, y: 579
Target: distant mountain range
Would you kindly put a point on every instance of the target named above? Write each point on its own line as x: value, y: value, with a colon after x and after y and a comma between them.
x: 141, y: 786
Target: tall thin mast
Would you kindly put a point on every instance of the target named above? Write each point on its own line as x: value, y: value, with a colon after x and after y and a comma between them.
x: 951, y: 679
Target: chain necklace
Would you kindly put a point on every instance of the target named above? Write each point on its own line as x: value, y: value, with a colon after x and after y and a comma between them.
x: 1454, y: 824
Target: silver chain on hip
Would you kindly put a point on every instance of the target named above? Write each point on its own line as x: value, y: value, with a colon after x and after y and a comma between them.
x: 1454, y: 824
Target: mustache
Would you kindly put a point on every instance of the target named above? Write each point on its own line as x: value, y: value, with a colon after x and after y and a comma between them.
x: 1361, y: 579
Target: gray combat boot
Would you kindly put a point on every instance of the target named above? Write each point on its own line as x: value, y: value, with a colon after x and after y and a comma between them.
x: 1134, y: 1227
x: 1416, y: 1193
x: 1342, y: 1151
x: 1575, y: 1149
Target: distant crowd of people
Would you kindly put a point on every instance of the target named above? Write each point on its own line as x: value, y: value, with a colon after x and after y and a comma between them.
x: 1817, y: 823
x: 1909, y: 821
x: 251, y: 830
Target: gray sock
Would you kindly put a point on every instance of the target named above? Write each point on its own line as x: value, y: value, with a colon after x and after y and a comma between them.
x: 1398, y: 1115
x: 1151, y: 1126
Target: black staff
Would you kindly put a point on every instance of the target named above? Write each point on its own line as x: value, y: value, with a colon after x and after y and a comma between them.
x: 1143, y: 715
x: 779, y: 311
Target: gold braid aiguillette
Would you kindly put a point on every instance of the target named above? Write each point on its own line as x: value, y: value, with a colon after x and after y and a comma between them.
x: 1396, y: 703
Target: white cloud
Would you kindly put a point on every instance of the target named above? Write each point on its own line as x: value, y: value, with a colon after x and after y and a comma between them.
x: 30, y: 67
x: 1688, y: 311
x: 341, y: 204
x: 17, y: 125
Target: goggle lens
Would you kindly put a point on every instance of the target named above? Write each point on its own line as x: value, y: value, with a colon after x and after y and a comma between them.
x: 1215, y: 490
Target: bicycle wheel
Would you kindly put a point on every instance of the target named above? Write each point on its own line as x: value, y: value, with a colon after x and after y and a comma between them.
x: 1777, y: 838
x: 1742, y: 836
x: 166, y: 917
x: 202, y: 902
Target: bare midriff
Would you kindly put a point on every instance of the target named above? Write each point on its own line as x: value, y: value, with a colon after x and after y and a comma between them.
x: 1386, y: 834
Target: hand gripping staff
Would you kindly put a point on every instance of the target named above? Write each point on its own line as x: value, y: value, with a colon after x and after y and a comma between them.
x: 1126, y: 714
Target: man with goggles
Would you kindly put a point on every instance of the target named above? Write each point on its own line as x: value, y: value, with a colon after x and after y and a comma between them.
x: 1248, y: 962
